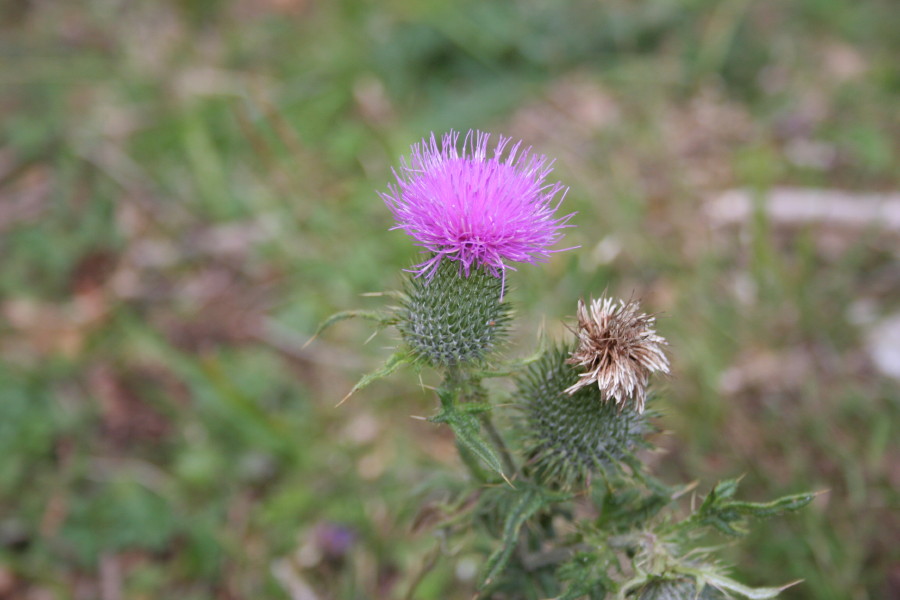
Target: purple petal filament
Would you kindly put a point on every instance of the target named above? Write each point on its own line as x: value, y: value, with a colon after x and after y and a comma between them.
x: 482, y: 211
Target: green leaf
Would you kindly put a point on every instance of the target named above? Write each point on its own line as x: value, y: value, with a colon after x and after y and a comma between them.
x: 584, y: 576
x: 723, y: 490
x: 369, y: 315
x: 589, y: 589
x: 529, y: 501
x: 762, y: 510
x: 466, y: 427
x: 394, y: 362
x: 730, y: 516
x: 629, y: 509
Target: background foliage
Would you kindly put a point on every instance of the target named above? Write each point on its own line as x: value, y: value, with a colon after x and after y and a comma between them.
x: 187, y: 187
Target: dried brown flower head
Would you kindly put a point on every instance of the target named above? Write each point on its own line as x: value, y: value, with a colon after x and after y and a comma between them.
x: 618, y: 348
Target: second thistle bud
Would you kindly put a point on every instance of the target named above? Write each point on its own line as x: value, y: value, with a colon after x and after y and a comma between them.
x: 452, y: 319
x: 571, y: 435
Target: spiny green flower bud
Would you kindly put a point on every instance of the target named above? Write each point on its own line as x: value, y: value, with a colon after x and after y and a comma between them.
x: 571, y: 434
x: 678, y: 589
x: 452, y: 319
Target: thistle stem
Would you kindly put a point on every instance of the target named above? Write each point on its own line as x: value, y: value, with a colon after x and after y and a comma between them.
x: 535, y: 560
x: 466, y: 387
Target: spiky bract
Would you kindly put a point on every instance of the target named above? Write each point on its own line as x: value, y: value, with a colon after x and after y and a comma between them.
x: 571, y: 435
x: 618, y: 349
x: 481, y: 210
x: 453, y: 319
x: 678, y: 589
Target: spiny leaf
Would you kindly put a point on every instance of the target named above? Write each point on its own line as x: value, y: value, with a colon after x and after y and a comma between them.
x: 474, y: 408
x: 369, y: 315
x: 628, y: 509
x: 394, y: 362
x: 775, y: 507
x: 584, y: 576
x: 725, y: 583
x: 529, y: 500
x: 467, y: 428
x: 723, y: 490
x: 728, y: 516
x: 588, y: 588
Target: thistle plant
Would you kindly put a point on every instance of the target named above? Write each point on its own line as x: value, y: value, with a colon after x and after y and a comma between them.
x: 568, y: 508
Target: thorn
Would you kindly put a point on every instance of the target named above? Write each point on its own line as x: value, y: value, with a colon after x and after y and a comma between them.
x: 792, y: 584
x: 418, y: 418
x: 309, y: 341
x: 687, y: 488
x: 583, y: 493
x: 345, y: 398
x: 369, y: 339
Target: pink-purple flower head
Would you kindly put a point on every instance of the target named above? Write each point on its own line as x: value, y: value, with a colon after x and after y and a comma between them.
x: 481, y: 210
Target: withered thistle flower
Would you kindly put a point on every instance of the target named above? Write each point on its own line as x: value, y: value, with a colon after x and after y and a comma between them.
x: 618, y: 348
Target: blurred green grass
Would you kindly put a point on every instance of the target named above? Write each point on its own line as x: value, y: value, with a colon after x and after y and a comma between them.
x: 187, y: 188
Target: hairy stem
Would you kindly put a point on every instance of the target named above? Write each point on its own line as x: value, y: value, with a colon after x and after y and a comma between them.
x: 467, y: 387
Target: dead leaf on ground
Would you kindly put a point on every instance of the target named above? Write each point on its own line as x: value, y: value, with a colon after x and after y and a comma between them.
x: 129, y: 415
x: 44, y: 328
x: 24, y: 200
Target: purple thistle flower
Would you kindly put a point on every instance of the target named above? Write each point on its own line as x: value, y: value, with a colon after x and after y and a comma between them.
x: 482, y: 211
